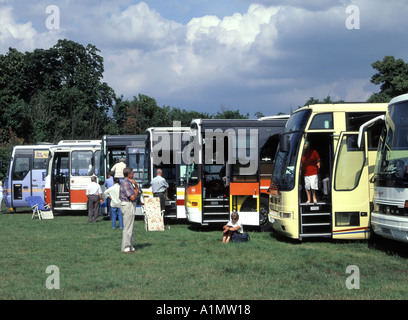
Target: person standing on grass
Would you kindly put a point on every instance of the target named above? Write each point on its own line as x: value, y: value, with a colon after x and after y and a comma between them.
x: 94, y: 194
x: 127, y: 195
x: 109, y: 183
x: 113, y: 195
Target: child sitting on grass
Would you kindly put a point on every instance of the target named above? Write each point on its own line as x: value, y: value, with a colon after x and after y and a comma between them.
x: 234, y: 225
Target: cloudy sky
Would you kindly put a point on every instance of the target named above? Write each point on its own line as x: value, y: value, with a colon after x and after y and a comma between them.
x: 206, y: 55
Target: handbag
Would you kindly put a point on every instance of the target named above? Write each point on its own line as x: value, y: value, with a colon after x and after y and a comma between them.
x: 240, y: 237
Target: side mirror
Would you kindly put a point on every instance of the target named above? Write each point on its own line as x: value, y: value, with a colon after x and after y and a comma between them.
x: 364, y: 127
x: 283, y: 143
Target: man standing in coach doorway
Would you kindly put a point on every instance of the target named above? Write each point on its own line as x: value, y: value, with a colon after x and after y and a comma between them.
x: 118, y: 168
x: 127, y: 197
x: 159, y: 187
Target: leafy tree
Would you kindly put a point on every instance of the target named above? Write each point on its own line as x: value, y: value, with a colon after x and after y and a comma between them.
x: 54, y: 94
x: 229, y: 114
x: 134, y: 117
x: 186, y: 116
x: 85, y: 99
x: 259, y: 114
x: 14, y: 108
x: 392, y: 76
x: 8, y: 139
x: 326, y: 100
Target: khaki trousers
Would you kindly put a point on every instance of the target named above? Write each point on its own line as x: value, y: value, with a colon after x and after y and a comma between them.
x: 128, y: 211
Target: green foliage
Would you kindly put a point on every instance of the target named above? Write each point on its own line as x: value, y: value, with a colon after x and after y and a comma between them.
x: 185, y: 116
x: 229, y: 114
x: 392, y: 76
x: 54, y: 94
x: 134, y: 117
x: 326, y: 100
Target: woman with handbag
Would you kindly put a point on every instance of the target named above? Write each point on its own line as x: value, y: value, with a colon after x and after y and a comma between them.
x: 233, y: 226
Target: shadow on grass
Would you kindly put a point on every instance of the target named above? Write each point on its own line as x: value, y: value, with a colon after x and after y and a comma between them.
x: 141, y: 246
x: 209, y: 228
x: 389, y: 246
x: 18, y: 211
x: 281, y: 238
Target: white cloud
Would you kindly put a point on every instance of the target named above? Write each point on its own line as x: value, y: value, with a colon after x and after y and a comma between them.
x: 311, y: 5
x: 274, y: 53
x: 11, y: 32
x: 236, y: 31
x: 22, y: 36
x: 208, y: 51
x: 139, y: 26
x: 266, y: 55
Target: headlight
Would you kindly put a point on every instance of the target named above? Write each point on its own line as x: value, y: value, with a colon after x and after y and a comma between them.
x: 286, y: 215
x: 192, y: 204
x: 273, y: 213
x: 376, y: 208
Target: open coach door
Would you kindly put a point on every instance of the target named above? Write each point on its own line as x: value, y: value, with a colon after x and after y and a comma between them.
x: 351, y: 189
x: 244, y: 183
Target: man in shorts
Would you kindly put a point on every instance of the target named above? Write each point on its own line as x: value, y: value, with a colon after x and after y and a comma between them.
x: 310, y: 166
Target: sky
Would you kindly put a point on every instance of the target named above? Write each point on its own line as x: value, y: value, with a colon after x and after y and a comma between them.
x: 267, y: 56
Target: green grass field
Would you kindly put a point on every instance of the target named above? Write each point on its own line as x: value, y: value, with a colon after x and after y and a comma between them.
x: 188, y: 264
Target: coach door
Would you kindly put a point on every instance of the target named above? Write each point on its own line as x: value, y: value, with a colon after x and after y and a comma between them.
x: 244, y: 184
x: 351, y: 195
x: 21, y: 179
x: 60, y: 182
x: 40, y: 160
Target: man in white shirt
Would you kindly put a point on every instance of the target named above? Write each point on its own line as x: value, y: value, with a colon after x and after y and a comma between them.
x: 94, y: 194
x: 118, y: 168
x: 113, y: 194
x: 159, y: 187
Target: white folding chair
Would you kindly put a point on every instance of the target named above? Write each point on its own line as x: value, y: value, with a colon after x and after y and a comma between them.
x: 153, y: 215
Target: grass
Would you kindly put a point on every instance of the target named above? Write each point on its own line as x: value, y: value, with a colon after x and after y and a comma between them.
x: 185, y: 263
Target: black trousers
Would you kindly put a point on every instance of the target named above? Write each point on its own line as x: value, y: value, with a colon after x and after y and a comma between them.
x: 93, y: 208
x: 162, y: 198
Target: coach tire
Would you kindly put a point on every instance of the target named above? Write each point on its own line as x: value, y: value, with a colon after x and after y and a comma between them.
x: 264, y: 224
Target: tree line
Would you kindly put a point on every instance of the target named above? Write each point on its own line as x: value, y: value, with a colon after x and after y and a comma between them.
x: 48, y: 95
